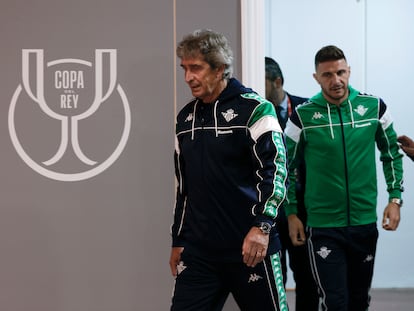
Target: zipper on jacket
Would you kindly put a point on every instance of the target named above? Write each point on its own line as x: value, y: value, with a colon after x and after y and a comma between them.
x: 202, y: 115
x: 345, y: 166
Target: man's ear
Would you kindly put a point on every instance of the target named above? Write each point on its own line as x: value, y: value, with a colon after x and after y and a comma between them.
x: 315, y: 77
x: 220, y: 71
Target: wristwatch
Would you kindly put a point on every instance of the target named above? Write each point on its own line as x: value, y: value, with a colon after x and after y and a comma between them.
x: 264, y: 227
x: 397, y: 201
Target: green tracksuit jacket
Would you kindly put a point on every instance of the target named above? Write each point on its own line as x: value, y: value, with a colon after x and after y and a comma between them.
x: 338, y: 147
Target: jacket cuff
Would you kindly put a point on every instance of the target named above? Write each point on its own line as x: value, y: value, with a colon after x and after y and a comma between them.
x: 264, y: 218
x: 177, y: 242
x: 396, y: 193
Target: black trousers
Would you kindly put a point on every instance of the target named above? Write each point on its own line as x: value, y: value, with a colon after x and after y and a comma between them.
x: 342, y: 261
x: 306, y: 290
x: 205, y: 285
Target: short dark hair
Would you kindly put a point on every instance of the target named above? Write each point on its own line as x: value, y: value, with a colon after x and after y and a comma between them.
x: 273, y: 70
x: 328, y: 53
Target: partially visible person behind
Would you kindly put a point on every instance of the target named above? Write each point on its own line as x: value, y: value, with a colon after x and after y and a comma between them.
x: 337, y: 132
x: 407, y: 145
x: 305, y: 287
x: 230, y: 164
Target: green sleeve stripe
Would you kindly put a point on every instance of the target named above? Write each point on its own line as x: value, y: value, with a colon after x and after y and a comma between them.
x: 279, y: 178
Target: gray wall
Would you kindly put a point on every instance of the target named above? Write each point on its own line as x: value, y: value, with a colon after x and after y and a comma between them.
x: 102, y: 242
x: 221, y: 16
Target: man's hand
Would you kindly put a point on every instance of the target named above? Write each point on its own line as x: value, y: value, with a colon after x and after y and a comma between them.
x: 296, y: 230
x: 175, y: 259
x: 406, y: 144
x: 391, y: 217
x: 254, y: 247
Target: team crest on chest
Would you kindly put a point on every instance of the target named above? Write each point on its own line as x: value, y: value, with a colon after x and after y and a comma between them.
x: 361, y: 110
x: 229, y: 115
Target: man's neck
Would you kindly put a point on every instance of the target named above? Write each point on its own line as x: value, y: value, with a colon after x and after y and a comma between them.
x: 278, y: 97
x: 217, y: 91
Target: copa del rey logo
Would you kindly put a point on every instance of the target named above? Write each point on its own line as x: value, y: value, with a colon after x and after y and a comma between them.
x: 69, y: 119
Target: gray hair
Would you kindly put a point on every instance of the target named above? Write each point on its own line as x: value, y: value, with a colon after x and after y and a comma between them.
x: 213, y: 46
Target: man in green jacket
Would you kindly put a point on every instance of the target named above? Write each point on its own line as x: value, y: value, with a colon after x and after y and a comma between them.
x: 336, y: 133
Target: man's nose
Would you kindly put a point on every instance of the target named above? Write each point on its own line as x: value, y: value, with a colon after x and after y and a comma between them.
x: 336, y: 78
x: 188, y: 76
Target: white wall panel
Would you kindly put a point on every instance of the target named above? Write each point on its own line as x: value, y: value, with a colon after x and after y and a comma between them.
x: 376, y: 37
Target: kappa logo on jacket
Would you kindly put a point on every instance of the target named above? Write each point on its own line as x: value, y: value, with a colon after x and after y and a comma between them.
x: 229, y: 115
x: 361, y: 110
x: 189, y: 117
x: 318, y: 115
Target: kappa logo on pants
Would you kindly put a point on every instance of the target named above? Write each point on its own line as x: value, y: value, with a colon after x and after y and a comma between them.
x: 369, y: 258
x: 324, y: 252
x: 254, y: 278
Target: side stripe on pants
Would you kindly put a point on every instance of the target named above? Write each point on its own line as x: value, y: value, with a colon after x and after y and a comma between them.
x: 277, y: 275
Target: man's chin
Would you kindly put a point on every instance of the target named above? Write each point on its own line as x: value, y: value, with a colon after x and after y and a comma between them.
x: 337, y: 95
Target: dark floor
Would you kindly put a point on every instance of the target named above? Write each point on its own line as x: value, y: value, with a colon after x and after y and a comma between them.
x: 390, y: 299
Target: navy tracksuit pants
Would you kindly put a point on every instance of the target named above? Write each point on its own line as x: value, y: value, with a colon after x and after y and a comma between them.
x: 342, y: 261
x: 306, y: 291
x: 204, y: 285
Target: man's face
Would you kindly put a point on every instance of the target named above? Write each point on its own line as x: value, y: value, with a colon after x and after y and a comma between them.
x: 203, y: 81
x: 333, y: 77
x: 270, y: 89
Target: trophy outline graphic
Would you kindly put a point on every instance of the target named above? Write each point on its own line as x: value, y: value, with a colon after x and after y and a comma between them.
x: 99, y: 98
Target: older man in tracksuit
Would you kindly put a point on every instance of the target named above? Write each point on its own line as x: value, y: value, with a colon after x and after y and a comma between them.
x: 230, y: 164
